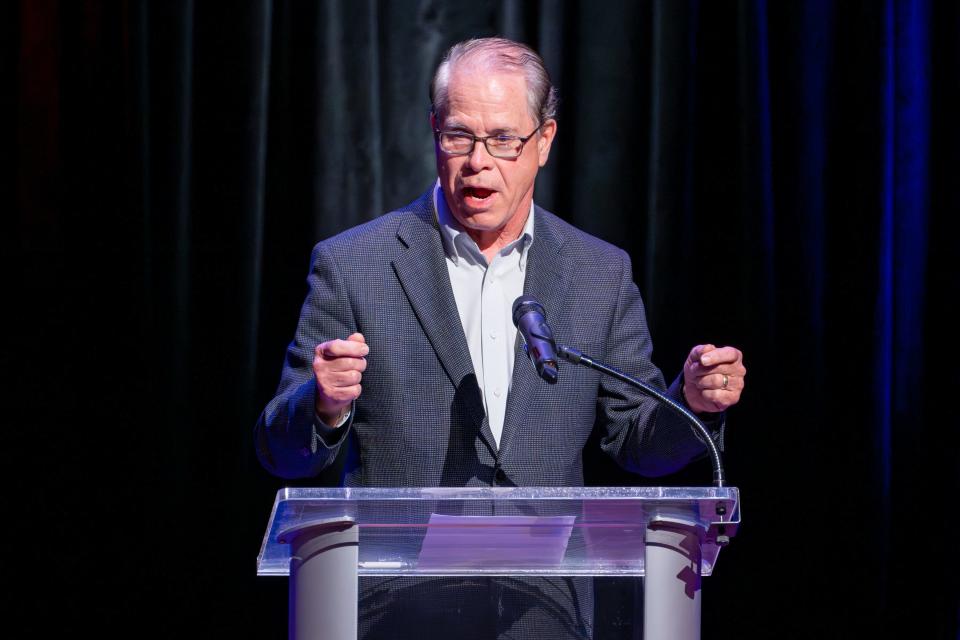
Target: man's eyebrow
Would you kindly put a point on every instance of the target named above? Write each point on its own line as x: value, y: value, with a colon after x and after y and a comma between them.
x: 454, y: 126
x: 498, y: 131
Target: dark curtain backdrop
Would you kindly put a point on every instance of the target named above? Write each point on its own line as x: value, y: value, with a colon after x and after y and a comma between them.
x: 783, y: 174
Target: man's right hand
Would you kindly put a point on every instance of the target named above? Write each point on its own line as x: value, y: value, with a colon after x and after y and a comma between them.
x: 338, y: 366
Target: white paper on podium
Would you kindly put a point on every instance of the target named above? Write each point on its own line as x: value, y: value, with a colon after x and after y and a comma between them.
x: 489, y: 542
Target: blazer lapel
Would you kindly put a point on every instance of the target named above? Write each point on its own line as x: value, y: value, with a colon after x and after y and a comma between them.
x: 545, y: 281
x: 423, y: 275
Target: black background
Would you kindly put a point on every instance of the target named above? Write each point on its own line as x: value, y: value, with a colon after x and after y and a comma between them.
x: 782, y: 175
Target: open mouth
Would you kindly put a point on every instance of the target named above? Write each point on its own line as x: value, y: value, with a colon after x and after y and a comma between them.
x: 477, y: 195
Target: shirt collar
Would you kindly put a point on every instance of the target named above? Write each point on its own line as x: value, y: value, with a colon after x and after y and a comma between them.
x: 458, y: 244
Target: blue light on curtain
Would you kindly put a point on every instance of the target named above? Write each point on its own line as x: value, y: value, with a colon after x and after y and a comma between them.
x: 903, y: 236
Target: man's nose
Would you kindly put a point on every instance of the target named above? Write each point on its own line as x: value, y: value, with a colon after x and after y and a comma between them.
x: 480, y: 158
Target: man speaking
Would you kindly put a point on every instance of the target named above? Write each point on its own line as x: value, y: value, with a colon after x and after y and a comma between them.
x: 406, y: 347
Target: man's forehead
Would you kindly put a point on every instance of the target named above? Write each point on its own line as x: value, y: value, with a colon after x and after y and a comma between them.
x: 500, y: 94
x: 467, y: 74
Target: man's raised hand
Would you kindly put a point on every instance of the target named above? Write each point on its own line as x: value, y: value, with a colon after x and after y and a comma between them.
x: 338, y: 367
x: 713, y: 378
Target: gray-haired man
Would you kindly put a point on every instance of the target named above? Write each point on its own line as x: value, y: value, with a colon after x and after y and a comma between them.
x: 405, y: 347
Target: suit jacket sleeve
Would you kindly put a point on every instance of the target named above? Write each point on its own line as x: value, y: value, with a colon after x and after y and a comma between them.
x: 288, y: 441
x: 638, y: 432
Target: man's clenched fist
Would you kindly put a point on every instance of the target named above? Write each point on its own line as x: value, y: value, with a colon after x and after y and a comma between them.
x: 338, y: 366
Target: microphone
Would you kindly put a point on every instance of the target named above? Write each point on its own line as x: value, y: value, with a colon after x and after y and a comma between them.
x: 530, y: 319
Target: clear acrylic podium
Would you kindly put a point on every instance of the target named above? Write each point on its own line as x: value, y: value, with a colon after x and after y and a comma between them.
x: 323, y: 539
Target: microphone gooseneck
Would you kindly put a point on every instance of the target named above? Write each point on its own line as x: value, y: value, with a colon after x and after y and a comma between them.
x: 577, y: 357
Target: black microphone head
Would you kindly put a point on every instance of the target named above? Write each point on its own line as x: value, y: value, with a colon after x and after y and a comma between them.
x: 548, y: 371
x: 525, y: 304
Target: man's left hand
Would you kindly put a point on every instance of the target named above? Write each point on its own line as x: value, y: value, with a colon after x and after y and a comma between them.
x: 713, y: 378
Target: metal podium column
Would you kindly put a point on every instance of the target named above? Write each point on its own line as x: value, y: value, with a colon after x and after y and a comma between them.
x: 671, y: 588
x: 323, y: 581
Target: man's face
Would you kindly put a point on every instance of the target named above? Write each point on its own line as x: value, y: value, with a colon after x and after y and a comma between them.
x: 487, y: 194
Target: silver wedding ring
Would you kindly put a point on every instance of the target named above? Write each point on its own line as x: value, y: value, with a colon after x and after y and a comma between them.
x: 726, y: 381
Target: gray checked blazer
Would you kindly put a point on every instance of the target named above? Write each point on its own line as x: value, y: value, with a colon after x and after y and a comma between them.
x: 420, y: 419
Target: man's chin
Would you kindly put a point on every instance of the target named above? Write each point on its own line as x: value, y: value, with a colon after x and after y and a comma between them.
x: 478, y: 218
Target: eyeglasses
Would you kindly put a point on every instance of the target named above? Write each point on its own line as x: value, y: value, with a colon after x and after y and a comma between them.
x: 460, y: 143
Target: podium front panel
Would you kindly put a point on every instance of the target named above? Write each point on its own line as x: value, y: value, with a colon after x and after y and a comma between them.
x: 502, y: 531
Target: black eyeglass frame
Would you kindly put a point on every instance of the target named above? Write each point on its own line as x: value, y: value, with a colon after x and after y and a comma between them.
x: 463, y: 134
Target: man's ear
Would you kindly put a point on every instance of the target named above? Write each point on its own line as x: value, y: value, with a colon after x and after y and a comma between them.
x: 547, y: 133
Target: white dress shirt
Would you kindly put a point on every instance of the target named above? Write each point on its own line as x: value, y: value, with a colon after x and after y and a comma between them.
x: 485, y: 294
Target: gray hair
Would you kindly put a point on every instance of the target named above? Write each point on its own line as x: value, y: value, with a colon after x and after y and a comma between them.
x: 499, y: 54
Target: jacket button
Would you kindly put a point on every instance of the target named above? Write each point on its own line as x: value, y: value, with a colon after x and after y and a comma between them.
x: 500, y: 476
